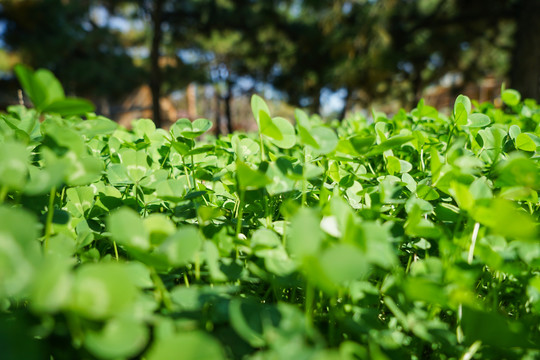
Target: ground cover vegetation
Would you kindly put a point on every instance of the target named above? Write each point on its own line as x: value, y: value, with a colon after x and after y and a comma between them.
x: 413, y: 236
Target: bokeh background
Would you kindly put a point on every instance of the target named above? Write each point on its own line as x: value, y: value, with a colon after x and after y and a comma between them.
x: 204, y: 58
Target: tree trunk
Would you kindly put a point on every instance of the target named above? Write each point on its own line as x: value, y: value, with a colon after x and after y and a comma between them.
x: 218, y: 114
x: 525, y: 71
x: 155, y: 71
x: 345, y: 105
x: 228, y: 100
x: 316, y: 104
x: 191, y: 101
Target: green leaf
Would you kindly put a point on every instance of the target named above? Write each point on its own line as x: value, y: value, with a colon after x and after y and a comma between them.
x: 19, y: 250
x: 525, y: 143
x: 394, y: 142
x: 80, y: 199
x: 302, y: 119
x: 511, y: 97
x: 192, y: 345
x: 102, y: 290
x: 201, y: 126
x: 493, y: 329
x: 159, y: 226
x: 142, y: 127
x: 305, y: 235
x: 462, y: 103
x: 119, y: 338
x: 96, y: 127
x: 244, y: 147
x: 127, y: 228
x: 53, y: 89
x: 343, y: 262
x: 257, y: 106
x: 362, y: 143
x: 264, y: 239
x: 135, y: 163
x: 69, y: 107
x: 52, y: 285
x: 477, y: 120
x: 268, y: 128
x: 186, y: 129
x: 514, y: 131
x: 182, y: 246
x: 14, y: 164
x: 250, y: 320
x: 393, y: 166
x: 83, y: 170
x: 505, y: 219
x: 288, y: 136
x: 306, y: 137
x: 249, y: 179
x: 326, y: 139
x: 519, y: 171
x: 33, y: 88
x: 460, y: 114
x: 172, y: 189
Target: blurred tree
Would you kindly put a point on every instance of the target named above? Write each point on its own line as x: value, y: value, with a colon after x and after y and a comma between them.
x: 433, y: 38
x: 236, y: 43
x: 525, y: 70
x: 84, y: 53
x: 366, y: 49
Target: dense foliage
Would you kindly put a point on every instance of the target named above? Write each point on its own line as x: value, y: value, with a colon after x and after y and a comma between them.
x: 367, y: 50
x: 404, y: 237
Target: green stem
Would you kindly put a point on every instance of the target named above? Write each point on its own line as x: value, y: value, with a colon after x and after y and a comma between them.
x: 450, y: 137
x: 371, y: 168
x: 115, y: 250
x: 310, y: 295
x: 471, y: 350
x: 3, y: 193
x: 304, y: 182
x: 166, y: 157
x: 197, y: 267
x: 240, y: 213
x: 186, y: 281
x: 322, y: 189
x: 262, y: 147
x: 188, y: 174
x: 50, y: 213
x: 162, y: 292
x: 332, y: 320
x: 409, y: 262
x: 473, y: 243
x: 267, y: 214
x: 422, y: 166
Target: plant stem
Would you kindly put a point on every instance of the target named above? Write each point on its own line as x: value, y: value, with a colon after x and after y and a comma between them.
x: 450, y: 137
x: 304, y: 182
x: 471, y: 350
x: 188, y: 174
x: 166, y: 157
x: 332, y: 320
x: 473, y: 243
x: 197, y: 267
x: 422, y: 166
x: 240, y: 212
x: 50, y: 213
x: 459, y: 331
x: 115, y: 250
x: 162, y: 291
x: 310, y: 295
x: 262, y: 147
x: 3, y: 193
